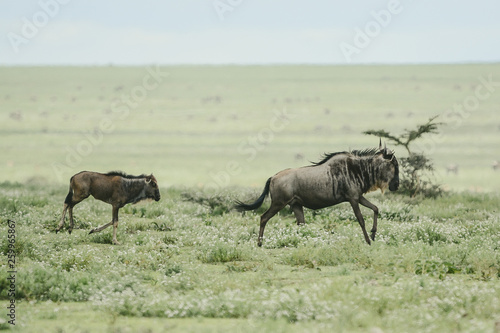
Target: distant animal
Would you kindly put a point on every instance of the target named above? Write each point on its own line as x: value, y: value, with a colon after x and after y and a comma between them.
x: 495, y: 165
x: 115, y: 188
x: 339, y: 177
x: 452, y: 168
x: 299, y: 156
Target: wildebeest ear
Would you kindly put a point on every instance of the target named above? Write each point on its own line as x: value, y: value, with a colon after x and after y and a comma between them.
x: 385, y: 152
x: 388, y: 154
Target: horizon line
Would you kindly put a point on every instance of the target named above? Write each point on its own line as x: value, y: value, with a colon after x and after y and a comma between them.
x: 252, y: 64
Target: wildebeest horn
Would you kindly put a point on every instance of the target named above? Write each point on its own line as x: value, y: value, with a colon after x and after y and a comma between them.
x: 380, y: 143
x: 148, y: 180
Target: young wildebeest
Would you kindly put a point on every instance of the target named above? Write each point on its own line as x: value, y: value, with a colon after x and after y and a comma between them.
x: 115, y: 188
x: 339, y: 177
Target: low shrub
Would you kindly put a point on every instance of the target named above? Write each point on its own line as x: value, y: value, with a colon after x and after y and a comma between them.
x: 220, y: 253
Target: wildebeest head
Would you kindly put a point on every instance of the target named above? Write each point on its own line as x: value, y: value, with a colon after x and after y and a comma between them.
x: 390, y: 169
x: 152, y: 190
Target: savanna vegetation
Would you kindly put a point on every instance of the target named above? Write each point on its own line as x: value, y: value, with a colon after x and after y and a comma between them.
x: 210, y: 135
x: 434, y: 266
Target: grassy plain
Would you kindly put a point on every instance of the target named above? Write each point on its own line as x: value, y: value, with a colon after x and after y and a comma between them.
x: 213, y: 134
x: 185, y: 266
x: 56, y: 121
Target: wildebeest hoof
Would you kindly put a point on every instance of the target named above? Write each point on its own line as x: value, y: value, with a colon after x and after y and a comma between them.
x: 69, y: 231
x: 115, y: 242
x: 91, y: 231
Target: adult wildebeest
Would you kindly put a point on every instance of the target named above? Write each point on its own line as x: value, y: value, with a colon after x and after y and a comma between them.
x: 115, y: 188
x: 339, y: 177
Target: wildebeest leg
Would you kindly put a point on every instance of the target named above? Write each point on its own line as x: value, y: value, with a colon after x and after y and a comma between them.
x: 368, y: 204
x: 101, y: 228
x: 299, y: 213
x: 71, y: 222
x: 61, y: 224
x: 275, y: 208
x: 71, y: 201
x: 107, y: 225
x: 115, y: 224
x: 359, y: 216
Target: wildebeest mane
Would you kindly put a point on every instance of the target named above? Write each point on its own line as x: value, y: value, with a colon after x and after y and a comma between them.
x: 124, y: 175
x: 359, y: 153
x: 366, y: 152
x: 327, y: 156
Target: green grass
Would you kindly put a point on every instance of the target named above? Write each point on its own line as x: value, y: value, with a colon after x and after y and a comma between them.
x: 433, y: 267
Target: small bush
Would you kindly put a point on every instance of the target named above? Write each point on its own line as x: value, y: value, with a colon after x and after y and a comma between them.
x: 133, y: 227
x: 218, y: 204
x: 435, y: 268
x: 161, y: 226
x: 103, y: 237
x: 134, y: 210
x: 39, y: 283
x: 9, y: 205
x: 75, y: 262
x: 172, y: 270
x: 220, y: 253
x: 169, y: 240
x: 17, y: 248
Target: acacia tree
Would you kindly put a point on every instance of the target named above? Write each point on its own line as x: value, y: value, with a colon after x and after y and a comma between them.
x: 417, y: 169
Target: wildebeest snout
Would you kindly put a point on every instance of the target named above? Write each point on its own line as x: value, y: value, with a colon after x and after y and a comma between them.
x: 394, y: 184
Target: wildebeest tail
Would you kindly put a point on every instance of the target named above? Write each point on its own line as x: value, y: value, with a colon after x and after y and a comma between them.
x: 240, y: 206
x: 69, y: 197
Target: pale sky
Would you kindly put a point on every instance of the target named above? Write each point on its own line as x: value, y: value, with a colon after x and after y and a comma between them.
x: 133, y: 32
